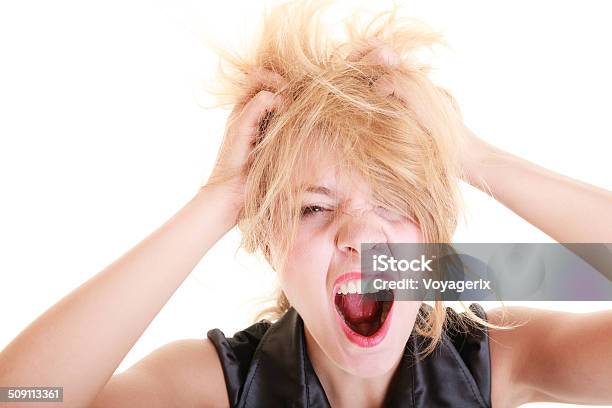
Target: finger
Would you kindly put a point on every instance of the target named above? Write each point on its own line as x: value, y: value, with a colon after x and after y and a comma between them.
x: 261, y: 77
x: 255, y: 110
x: 381, y: 54
x: 389, y: 85
x: 384, y: 86
x: 360, y: 53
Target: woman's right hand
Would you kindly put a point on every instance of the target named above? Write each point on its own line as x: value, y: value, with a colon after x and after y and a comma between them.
x: 241, y: 131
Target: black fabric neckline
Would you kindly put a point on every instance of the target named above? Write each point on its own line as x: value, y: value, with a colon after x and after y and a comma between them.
x: 281, y: 372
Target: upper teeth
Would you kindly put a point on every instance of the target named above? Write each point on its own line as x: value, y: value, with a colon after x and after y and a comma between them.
x: 355, y: 286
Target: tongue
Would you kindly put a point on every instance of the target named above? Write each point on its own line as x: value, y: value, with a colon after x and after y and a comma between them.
x: 357, y: 308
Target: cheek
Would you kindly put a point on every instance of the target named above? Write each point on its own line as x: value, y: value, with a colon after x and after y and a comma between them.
x: 303, y: 276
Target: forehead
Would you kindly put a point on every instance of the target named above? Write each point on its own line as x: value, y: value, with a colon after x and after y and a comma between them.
x: 328, y: 175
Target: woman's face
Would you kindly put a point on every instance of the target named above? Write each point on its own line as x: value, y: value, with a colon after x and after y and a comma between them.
x: 337, y: 216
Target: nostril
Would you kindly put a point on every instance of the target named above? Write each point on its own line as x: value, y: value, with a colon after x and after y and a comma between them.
x: 350, y: 250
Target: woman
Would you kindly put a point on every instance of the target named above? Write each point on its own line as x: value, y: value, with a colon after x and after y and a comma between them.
x: 328, y: 147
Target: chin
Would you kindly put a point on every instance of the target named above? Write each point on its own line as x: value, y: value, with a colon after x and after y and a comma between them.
x: 371, y: 365
x: 374, y: 352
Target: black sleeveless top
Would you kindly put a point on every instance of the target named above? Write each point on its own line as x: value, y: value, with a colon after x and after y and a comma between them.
x: 266, y: 365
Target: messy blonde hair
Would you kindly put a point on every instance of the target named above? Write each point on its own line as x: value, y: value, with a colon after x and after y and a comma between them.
x: 330, y: 106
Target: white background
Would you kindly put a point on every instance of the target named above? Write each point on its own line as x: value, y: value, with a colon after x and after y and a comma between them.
x: 103, y: 135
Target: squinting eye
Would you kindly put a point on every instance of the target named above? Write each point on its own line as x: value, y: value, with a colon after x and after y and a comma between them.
x: 312, y: 209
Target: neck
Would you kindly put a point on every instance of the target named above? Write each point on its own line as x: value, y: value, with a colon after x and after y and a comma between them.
x: 342, y: 388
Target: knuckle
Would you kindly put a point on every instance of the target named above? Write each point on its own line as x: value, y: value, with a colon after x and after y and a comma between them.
x: 264, y: 96
x: 266, y: 78
x: 263, y: 99
x: 384, y: 85
x: 386, y: 56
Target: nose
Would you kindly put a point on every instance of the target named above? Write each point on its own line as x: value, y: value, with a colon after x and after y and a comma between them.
x: 355, y: 229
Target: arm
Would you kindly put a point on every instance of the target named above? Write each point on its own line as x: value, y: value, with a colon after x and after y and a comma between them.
x: 554, y: 357
x: 79, y: 342
x: 547, y: 200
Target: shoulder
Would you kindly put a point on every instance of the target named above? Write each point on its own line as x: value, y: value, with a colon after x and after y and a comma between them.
x: 529, y: 355
x: 180, y: 373
x: 524, y: 332
x: 193, y: 365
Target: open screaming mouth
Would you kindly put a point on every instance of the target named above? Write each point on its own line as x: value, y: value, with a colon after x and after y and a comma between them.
x: 361, y: 312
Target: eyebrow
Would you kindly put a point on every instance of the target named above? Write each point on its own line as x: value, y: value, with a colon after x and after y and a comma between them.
x: 319, y: 190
